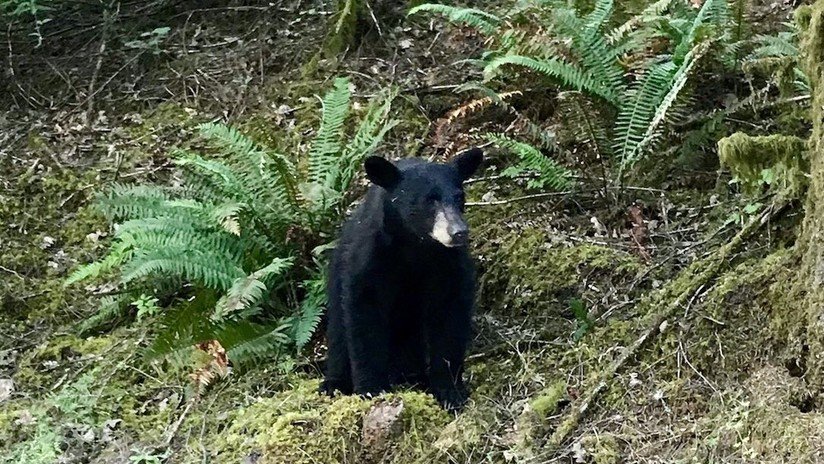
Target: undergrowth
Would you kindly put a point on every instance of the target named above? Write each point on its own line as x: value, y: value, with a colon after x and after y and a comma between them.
x: 235, y: 248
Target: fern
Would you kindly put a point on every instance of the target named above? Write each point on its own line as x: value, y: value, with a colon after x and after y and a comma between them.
x: 311, y: 310
x: 634, y: 118
x: 675, y: 85
x: 712, y: 13
x: 478, y: 19
x: 342, y: 32
x: 207, y: 268
x: 550, y: 173
x: 110, y: 308
x: 326, y: 147
x: 584, y: 123
x: 570, y: 75
x: 650, y: 14
x: 269, y: 175
x: 119, y: 253
x: 772, y: 46
x: 638, y: 125
x: 129, y: 202
x: 373, y: 128
x: 248, y: 291
x: 228, y: 234
x: 596, y: 19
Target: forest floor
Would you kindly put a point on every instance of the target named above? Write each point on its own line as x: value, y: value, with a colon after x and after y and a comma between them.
x: 718, y: 376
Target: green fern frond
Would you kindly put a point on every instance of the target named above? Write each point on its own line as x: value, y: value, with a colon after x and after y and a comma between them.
x: 472, y: 17
x: 649, y: 14
x: 342, y: 32
x: 172, y: 232
x: 248, y: 291
x: 202, y: 267
x: 227, y: 217
x: 111, y: 308
x: 638, y: 124
x: 247, y: 343
x: 643, y: 99
x: 311, y: 310
x: 211, y: 180
x: 584, y: 123
x: 770, y: 46
x: 183, y: 326
x: 676, y: 84
x: 550, y: 173
x: 596, y: 19
x: 120, y: 252
x: 369, y: 135
x: 326, y: 150
x: 267, y: 174
x: 712, y: 13
x: 590, y: 49
x: 568, y: 74
x: 122, y: 202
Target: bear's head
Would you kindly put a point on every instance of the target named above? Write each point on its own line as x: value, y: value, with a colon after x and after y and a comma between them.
x: 427, y: 198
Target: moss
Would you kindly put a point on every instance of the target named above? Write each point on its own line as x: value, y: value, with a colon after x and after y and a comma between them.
x: 602, y: 448
x: 300, y: 426
x: 762, y: 423
x: 465, y: 433
x: 525, y: 273
x: 163, y: 116
x: 547, y: 401
x: 43, y: 366
x: 777, y: 160
x: 810, y: 278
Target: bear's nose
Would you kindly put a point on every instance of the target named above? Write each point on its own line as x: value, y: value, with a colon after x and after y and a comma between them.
x: 460, y: 237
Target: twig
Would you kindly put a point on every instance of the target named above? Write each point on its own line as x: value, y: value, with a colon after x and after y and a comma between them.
x: 104, y: 36
x: 111, y: 78
x: 710, y: 268
x: 499, y: 177
x: 522, y: 198
x: 12, y: 271
x: 176, y: 426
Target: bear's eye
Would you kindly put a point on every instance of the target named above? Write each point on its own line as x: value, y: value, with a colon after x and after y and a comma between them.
x: 432, y: 198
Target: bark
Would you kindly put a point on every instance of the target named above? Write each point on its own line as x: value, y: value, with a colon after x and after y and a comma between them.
x: 810, y: 243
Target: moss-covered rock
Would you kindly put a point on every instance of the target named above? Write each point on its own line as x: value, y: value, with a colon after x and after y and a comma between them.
x: 300, y: 426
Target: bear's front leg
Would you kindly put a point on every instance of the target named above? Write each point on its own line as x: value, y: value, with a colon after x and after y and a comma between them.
x: 367, y: 330
x: 449, y: 334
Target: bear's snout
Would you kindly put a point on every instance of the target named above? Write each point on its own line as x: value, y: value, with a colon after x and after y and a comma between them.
x: 449, y: 228
x: 460, y: 234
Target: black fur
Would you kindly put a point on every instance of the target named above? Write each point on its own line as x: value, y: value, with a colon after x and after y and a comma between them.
x: 400, y: 303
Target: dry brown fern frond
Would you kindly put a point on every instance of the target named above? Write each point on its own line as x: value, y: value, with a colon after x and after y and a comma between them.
x: 215, y: 365
x: 445, y: 136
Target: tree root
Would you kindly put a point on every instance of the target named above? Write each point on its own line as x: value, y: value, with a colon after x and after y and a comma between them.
x: 709, y: 268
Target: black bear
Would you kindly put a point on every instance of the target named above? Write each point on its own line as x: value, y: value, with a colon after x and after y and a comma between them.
x: 402, y: 283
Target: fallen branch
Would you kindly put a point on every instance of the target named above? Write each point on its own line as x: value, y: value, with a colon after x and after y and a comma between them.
x: 513, y: 200
x: 710, y: 267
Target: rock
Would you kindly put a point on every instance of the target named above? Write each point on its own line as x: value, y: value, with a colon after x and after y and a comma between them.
x: 6, y: 389
x: 380, y: 425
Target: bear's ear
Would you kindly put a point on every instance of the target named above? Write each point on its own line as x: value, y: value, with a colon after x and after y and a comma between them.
x: 381, y: 172
x: 467, y: 162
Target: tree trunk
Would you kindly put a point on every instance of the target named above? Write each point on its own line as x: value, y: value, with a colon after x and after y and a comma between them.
x: 811, y: 278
